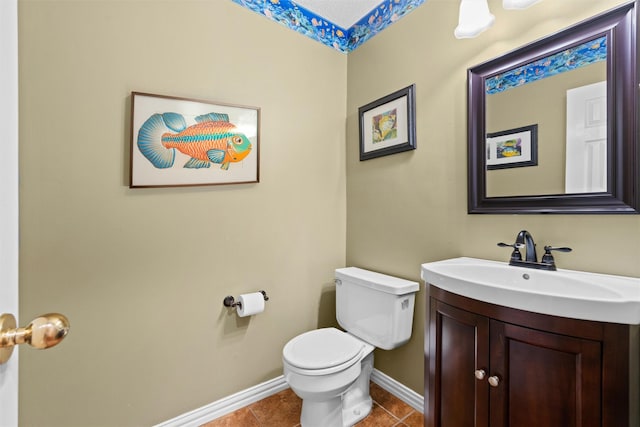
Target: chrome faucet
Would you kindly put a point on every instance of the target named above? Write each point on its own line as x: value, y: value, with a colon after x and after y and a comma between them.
x: 524, y: 240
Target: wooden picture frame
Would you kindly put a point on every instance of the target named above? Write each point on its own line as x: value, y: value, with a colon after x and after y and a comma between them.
x: 513, y: 148
x: 387, y: 125
x: 187, y: 142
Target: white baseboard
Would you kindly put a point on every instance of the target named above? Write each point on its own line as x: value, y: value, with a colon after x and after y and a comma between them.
x: 401, y: 391
x: 253, y: 394
x: 227, y: 404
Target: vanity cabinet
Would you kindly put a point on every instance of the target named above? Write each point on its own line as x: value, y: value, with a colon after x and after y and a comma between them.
x: 493, y: 366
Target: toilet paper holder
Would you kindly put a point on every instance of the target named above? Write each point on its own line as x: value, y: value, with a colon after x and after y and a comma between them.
x: 230, y: 301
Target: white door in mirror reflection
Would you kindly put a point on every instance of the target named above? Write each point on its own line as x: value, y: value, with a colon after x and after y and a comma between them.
x: 586, y: 164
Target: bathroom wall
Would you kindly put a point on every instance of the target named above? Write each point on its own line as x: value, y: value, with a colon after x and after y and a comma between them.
x: 411, y: 208
x: 141, y: 273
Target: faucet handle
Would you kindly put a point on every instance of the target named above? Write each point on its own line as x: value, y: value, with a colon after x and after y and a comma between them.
x: 515, y: 255
x: 563, y: 249
x: 547, y: 258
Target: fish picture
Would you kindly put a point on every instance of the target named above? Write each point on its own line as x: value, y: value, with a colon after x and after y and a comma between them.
x: 181, y: 141
x: 510, y: 148
x: 384, y: 126
x: 213, y: 139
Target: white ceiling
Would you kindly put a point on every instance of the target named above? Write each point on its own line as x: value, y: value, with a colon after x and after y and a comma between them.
x: 343, y: 13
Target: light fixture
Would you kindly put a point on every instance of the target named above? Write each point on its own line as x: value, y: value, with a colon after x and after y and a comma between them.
x: 474, y: 18
x: 518, y: 4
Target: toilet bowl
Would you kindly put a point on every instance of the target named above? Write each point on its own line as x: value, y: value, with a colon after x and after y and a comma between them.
x: 330, y: 369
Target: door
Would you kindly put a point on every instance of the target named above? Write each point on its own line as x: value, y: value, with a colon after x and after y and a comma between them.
x: 586, y: 163
x: 543, y: 379
x: 458, y: 364
x: 9, y: 199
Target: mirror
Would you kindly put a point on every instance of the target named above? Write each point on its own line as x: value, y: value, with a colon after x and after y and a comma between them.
x: 552, y: 125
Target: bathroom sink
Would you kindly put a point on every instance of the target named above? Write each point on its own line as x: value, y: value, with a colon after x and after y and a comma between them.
x: 566, y: 293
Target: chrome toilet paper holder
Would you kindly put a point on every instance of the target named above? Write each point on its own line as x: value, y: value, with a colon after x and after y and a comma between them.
x: 230, y: 301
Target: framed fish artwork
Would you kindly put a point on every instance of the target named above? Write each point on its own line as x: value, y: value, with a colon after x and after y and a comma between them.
x: 188, y: 142
x: 388, y: 125
x: 513, y: 148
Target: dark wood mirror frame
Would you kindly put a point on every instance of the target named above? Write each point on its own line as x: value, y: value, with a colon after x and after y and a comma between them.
x: 623, y: 153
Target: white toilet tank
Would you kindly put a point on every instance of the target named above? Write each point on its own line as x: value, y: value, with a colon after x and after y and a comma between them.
x: 375, y: 307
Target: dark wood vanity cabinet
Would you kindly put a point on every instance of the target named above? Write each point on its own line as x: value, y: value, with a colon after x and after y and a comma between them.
x: 492, y: 366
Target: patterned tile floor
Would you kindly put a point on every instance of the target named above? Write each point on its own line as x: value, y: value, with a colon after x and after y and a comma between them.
x: 283, y: 410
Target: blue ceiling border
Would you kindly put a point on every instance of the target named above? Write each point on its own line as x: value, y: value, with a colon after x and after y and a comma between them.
x: 303, y: 21
x: 569, y: 59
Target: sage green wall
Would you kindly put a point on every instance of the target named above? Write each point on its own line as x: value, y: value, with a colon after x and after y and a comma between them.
x: 142, y: 273
x: 411, y: 208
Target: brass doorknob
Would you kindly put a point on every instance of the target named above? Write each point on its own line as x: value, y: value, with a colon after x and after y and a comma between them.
x: 43, y: 332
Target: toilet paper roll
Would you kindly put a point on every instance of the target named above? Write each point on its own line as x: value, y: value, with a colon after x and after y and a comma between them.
x: 250, y: 304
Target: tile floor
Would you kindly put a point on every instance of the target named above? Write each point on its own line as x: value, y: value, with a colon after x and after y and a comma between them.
x: 283, y: 410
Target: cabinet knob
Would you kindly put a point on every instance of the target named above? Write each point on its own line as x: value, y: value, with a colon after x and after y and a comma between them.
x: 480, y: 374
x: 494, y: 381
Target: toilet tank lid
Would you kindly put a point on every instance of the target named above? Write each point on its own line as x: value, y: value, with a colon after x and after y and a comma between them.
x: 379, y: 281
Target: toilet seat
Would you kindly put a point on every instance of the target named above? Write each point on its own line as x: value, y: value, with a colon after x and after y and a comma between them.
x: 323, y: 351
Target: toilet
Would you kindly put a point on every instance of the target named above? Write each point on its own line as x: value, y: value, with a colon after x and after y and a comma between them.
x: 329, y: 369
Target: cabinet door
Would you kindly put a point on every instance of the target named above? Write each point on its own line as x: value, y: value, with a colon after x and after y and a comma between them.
x: 545, y: 379
x: 458, y: 347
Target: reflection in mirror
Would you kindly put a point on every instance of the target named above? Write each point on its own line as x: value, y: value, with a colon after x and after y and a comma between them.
x: 538, y: 92
x: 552, y: 125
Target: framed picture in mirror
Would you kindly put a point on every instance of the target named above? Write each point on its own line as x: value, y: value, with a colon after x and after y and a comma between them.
x: 513, y: 148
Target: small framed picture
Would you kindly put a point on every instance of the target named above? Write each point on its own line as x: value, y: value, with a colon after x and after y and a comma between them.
x: 387, y: 125
x: 513, y: 148
x: 187, y: 142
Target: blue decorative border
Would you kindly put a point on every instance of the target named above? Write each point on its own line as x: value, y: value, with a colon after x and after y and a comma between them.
x: 303, y: 21
x: 587, y: 53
